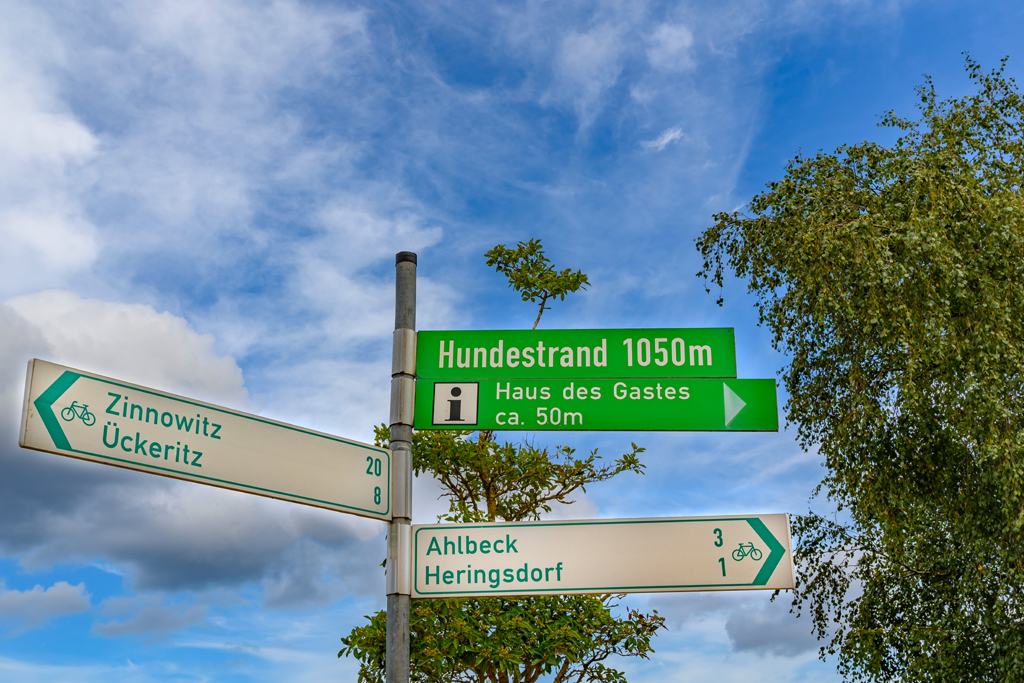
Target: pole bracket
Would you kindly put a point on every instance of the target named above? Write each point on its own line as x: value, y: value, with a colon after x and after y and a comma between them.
x: 403, y: 352
x: 399, y: 570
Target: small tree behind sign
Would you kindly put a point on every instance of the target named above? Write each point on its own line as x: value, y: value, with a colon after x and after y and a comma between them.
x: 494, y: 639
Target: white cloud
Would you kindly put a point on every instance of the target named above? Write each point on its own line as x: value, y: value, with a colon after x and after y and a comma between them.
x: 671, y: 48
x: 588, y: 64
x: 31, y: 608
x: 133, y: 342
x: 203, y: 127
x: 42, y: 147
x: 664, y: 140
x: 180, y: 535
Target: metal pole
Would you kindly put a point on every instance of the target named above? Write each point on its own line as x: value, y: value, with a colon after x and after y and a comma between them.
x: 403, y: 399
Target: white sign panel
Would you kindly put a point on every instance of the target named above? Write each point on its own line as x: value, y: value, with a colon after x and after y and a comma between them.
x: 602, y: 556
x: 82, y: 415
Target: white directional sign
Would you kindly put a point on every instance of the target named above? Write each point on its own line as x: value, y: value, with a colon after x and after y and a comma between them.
x: 82, y: 415
x: 602, y: 556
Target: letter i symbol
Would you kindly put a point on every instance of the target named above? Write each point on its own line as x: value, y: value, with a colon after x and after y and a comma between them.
x: 455, y: 407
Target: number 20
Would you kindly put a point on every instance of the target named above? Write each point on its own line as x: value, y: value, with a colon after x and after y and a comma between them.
x: 373, y: 465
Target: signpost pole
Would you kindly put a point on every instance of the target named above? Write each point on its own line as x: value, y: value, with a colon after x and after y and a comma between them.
x: 403, y: 402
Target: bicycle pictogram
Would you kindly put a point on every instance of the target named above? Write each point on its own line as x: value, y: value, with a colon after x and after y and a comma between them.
x: 82, y: 411
x: 744, y: 550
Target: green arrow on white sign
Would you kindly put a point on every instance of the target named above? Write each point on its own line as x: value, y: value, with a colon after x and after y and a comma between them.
x: 671, y: 554
x: 82, y: 415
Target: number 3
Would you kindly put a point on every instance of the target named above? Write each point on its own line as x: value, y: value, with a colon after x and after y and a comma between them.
x: 718, y: 543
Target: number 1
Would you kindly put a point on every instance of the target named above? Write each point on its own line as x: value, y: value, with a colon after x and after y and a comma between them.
x: 722, y: 560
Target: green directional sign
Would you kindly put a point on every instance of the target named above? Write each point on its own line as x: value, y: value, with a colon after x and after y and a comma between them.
x: 695, y: 404
x: 82, y: 415
x: 525, y: 354
x: 602, y: 556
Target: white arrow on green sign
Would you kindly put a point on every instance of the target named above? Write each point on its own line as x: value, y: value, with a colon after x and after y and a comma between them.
x: 743, y: 552
x: 82, y: 415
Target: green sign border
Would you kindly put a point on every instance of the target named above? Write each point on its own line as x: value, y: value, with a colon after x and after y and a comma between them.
x: 44, y: 406
x: 771, y: 563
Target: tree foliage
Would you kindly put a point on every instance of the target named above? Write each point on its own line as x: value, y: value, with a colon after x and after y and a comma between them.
x: 565, y: 638
x: 531, y: 274
x: 892, y: 278
x: 487, y: 481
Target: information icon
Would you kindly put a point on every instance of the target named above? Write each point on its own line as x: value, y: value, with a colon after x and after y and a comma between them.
x: 456, y: 403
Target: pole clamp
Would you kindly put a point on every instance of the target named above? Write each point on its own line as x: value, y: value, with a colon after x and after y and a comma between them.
x: 399, y: 569
x: 403, y: 352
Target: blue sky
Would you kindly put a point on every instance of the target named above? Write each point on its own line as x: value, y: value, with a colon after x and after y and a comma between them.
x: 206, y: 197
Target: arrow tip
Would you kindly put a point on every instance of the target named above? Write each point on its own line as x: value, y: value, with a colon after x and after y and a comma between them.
x: 733, y: 404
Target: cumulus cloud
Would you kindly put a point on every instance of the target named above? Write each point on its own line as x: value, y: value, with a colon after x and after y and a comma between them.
x: 680, y: 608
x: 133, y: 342
x: 752, y: 622
x: 180, y: 535
x: 146, y: 616
x: 310, y: 573
x: 31, y: 608
x: 43, y: 226
x: 770, y: 629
